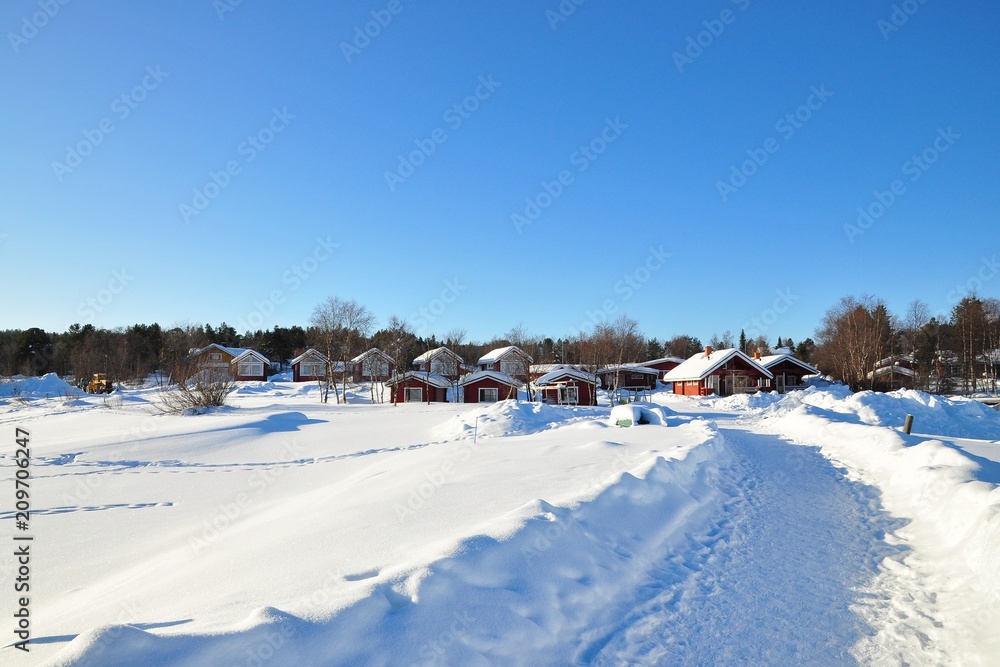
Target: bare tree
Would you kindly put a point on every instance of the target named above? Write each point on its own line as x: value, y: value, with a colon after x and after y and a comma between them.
x: 855, y: 335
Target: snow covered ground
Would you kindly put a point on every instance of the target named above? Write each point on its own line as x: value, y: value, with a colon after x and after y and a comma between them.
x: 805, y: 529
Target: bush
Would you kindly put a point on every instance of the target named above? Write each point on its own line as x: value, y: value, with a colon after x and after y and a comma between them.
x: 204, y: 389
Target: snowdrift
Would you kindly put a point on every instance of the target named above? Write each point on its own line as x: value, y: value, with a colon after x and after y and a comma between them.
x: 527, y: 597
x: 47, y: 386
x: 950, y: 498
x: 933, y: 415
x: 508, y: 418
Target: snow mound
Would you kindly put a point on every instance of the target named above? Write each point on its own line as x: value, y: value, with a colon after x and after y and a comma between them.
x: 511, y: 417
x: 640, y: 413
x: 47, y: 386
x: 932, y: 415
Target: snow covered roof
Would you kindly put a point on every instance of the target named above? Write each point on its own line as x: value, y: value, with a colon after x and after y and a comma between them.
x: 431, y: 379
x: 492, y: 375
x: 496, y: 355
x: 437, y: 351
x: 548, y: 368
x: 563, y: 374
x: 661, y: 360
x: 893, y: 370
x: 231, y: 351
x: 631, y: 368
x: 775, y: 359
x: 372, y: 352
x: 309, y: 353
x: 247, y: 353
x: 700, y: 365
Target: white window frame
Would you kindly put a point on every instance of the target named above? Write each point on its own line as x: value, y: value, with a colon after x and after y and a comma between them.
x: 375, y: 368
x: 312, y: 369
x: 407, y: 393
x: 571, y: 396
x: 250, y: 368
x: 484, y: 390
x: 215, y: 356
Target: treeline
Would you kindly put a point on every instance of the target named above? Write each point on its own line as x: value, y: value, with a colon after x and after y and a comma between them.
x: 959, y: 351
x: 947, y: 353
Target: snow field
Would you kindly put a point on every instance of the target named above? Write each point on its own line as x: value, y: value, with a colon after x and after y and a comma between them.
x: 357, y: 530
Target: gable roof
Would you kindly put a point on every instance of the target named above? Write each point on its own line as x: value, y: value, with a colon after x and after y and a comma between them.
x: 437, y: 351
x: 631, y: 368
x: 247, y: 353
x: 566, y: 373
x: 311, y: 352
x: 700, y: 366
x: 775, y: 359
x: 231, y: 351
x: 431, y: 379
x: 676, y: 360
x: 370, y: 353
x: 502, y: 378
x: 496, y: 355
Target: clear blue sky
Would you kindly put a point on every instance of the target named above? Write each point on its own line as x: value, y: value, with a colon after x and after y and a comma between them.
x: 116, y: 235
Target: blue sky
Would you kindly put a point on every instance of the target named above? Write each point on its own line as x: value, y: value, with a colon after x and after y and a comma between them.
x: 209, y: 161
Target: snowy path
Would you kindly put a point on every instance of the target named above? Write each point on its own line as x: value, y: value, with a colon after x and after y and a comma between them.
x: 775, y: 579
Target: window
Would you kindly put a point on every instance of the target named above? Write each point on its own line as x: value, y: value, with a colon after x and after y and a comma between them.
x: 375, y: 368
x: 414, y: 395
x: 251, y: 368
x: 312, y: 369
x: 512, y: 367
x: 571, y: 396
x: 442, y: 366
x: 488, y: 395
x: 215, y: 356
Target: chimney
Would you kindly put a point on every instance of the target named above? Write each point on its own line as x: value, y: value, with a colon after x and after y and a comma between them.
x: 708, y: 350
x: 756, y: 355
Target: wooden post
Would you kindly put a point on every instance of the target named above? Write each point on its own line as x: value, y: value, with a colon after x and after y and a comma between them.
x: 908, y: 424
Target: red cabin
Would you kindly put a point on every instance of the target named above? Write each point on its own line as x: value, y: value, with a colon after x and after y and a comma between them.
x: 721, y: 372
x: 489, y: 387
x: 414, y: 387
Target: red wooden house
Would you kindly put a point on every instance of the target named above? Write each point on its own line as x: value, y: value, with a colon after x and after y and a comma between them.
x: 372, y: 366
x: 786, y: 369
x: 439, y: 361
x: 415, y: 387
x: 629, y: 377
x: 309, y: 366
x: 489, y: 386
x: 510, y: 360
x: 663, y: 365
x: 567, y: 386
x: 721, y: 372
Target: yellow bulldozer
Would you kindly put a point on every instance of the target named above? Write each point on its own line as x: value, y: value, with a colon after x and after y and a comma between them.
x: 100, y: 384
